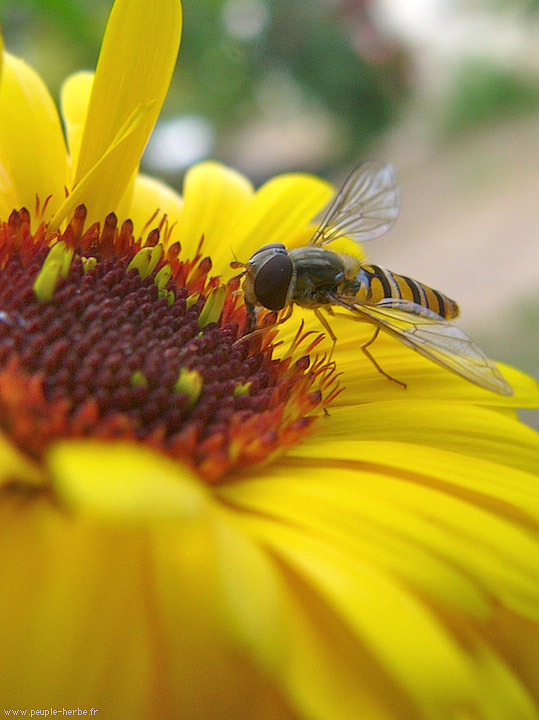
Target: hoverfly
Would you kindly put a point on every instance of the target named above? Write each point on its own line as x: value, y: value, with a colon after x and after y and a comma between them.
x: 318, y: 278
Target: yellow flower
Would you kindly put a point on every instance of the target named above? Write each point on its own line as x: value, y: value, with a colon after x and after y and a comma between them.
x: 169, y: 548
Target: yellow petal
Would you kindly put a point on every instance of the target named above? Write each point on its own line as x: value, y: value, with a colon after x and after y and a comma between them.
x: 127, y: 483
x: 75, y: 96
x: 328, y: 674
x: 92, y: 190
x: 278, y: 209
x: 229, y: 605
x: 152, y: 199
x: 384, y: 617
x: 214, y: 196
x: 66, y: 585
x: 489, y: 548
x: 33, y: 157
x: 502, y: 693
x: 371, y: 512
x: 379, y: 534
x: 518, y: 638
x: 502, y: 488
x: 16, y: 467
x: 249, y: 583
x: 134, y: 69
x: 424, y: 379
x: 375, y: 545
x: 195, y: 590
x: 123, y: 481
x: 209, y: 676
x: 474, y: 432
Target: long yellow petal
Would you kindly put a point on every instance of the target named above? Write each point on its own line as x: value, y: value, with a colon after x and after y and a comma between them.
x: 366, y: 539
x: 68, y: 586
x: 278, y: 209
x: 474, y: 432
x: 75, y: 96
x: 229, y: 606
x: 205, y: 671
x: 503, y: 694
x: 229, y: 601
x: 424, y: 379
x: 33, y: 156
x: 394, y: 627
x: 214, y: 196
x: 124, y: 482
x: 370, y: 513
x: 17, y: 467
x: 129, y: 484
x: 328, y: 674
x: 154, y: 199
x: 134, y: 69
x: 511, y: 490
x: 91, y: 191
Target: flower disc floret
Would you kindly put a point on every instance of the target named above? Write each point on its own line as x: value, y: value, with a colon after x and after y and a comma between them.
x: 103, y: 335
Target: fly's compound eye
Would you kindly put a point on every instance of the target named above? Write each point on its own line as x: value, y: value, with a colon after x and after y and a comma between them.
x: 279, y: 247
x: 273, y: 278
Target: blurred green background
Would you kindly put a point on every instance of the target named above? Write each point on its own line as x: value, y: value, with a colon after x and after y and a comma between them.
x: 446, y: 90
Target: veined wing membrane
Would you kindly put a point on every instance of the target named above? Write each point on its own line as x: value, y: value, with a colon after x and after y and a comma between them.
x: 365, y: 207
x: 432, y: 336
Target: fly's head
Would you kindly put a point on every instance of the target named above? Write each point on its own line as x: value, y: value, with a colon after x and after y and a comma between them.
x: 268, y: 276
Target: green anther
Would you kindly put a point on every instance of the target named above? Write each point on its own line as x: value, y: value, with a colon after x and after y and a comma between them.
x: 241, y: 389
x: 191, y: 300
x: 190, y: 383
x: 155, y: 255
x: 88, y: 263
x: 67, y: 257
x: 161, y: 280
x: 163, y: 276
x: 56, y: 265
x: 145, y: 261
x: 168, y: 295
x: 47, y: 279
x: 138, y: 378
x: 211, y: 312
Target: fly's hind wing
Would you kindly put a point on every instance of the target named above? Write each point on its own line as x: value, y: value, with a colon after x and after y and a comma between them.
x: 432, y: 336
x: 365, y: 207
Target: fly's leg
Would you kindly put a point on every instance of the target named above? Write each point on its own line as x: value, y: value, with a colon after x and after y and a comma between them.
x: 261, y: 330
x: 373, y: 361
x: 327, y: 326
x: 251, y: 318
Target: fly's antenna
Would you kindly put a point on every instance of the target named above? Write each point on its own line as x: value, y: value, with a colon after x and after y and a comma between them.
x: 235, y: 264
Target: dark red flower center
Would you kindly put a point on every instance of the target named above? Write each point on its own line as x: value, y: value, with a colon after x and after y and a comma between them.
x: 102, y: 337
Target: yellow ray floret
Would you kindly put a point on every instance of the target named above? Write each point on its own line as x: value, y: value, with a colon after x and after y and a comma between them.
x: 33, y: 156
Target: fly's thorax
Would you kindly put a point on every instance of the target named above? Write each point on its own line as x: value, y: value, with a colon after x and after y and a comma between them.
x: 317, y: 272
x: 351, y: 265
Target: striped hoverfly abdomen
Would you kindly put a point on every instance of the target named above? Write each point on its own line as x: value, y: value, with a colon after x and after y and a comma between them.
x: 321, y: 279
x: 376, y: 283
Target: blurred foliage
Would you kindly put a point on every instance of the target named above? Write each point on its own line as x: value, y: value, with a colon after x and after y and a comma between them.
x: 246, y: 65
x: 232, y: 51
x: 58, y: 37
x: 308, y: 41
x: 483, y: 91
x: 516, y: 342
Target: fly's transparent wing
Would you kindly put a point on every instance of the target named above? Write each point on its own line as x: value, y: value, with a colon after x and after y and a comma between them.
x: 432, y: 336
x: 365, y: 207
